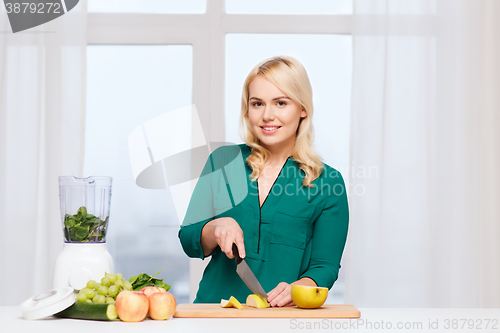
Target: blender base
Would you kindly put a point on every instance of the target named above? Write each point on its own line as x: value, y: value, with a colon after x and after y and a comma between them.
x: 80, y: 262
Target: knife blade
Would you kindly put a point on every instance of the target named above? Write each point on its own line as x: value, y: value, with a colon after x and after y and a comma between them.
x: 247, y: 275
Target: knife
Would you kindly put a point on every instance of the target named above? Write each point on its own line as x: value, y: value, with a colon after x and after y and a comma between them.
x: 247, y: 276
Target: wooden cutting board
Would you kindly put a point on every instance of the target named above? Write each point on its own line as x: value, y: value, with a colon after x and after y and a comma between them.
x: 211, y: 310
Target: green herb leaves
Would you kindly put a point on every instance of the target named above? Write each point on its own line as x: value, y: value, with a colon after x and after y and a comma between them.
x: 83, y: 227
x: 145, y: 280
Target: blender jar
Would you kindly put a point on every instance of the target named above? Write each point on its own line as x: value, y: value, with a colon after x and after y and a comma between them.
x: 85, y: 204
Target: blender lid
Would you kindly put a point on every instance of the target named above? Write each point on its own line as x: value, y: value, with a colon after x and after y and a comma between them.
x: 48, y: 303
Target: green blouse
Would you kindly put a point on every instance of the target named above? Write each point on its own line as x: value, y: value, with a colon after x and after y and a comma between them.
x: 298, y: 232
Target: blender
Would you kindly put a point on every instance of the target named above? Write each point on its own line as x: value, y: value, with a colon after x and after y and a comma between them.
x: 85, y: 204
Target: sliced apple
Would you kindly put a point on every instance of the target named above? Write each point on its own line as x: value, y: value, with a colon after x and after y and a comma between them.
x: 257, y: 302
x: 224, y: 303
x: 235, y: 302
x: 231, y: 303
x: 308, y: 297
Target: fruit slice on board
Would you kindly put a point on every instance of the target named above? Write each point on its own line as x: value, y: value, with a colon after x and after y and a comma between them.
x: 235, y: 302
x: 224, y: 303
x: 232, y: 302
x: 257, y: 302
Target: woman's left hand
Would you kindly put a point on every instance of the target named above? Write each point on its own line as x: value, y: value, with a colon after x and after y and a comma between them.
x: 280, y: 296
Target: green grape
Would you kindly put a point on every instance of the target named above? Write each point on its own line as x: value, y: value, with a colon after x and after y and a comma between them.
x: 90, y: 293
x: 127, y: 285
x: 113, y: 290
x: 103, y: 290
x: 89, y: 301
x: 97, y: 286
x: 81, y: 297
x: 119, y: 276
x: 110, y: 300
x: 105, y: 282
x: 91, y: 284
x: 119, y: 283
x: 100, y: 299
x: 112, y: 278
x: 87, y: 291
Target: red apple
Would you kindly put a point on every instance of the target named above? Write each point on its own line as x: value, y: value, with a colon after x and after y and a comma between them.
x: 132, y: 306
x: 150, y: 290
x: 161, y: 305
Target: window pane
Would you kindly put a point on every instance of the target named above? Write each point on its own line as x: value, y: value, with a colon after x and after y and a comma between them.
x: 127, y: 86
x: 148, y: 6
x: 290, y: 7
x: 327, y: 59
x: 395, y: 7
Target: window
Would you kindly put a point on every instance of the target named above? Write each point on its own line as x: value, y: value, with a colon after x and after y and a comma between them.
x: 163, y: 55
x: 289, y: 7
x: 147, y: 6
x: 127, y: 86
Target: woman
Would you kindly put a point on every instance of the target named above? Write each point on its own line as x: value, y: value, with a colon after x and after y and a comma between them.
x: 285, y: 210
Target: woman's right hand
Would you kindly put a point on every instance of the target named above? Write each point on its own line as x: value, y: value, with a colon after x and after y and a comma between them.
x: 223, y: 232
x: 227, y: 231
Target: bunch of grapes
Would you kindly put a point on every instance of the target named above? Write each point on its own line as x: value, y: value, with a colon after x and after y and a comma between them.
x: 104, y: 292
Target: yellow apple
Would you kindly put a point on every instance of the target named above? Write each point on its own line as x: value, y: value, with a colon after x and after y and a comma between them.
x: 162, y: 305
x: 257, y: 302
x: 307, y: 297
x: 132, y: 306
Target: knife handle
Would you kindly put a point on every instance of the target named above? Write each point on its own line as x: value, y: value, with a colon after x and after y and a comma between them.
x: 236, y: 254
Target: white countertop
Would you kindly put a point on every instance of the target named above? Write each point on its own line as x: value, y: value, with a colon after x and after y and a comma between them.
x: 372, y: 320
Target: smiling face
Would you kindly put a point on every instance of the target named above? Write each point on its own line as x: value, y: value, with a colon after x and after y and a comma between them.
x: 273, y: 116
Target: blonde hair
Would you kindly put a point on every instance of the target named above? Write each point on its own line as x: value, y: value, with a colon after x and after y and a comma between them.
x: 291, y: 78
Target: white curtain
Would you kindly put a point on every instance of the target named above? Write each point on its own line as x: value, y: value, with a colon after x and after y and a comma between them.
x: 42, y: 104
x: 425, y: 222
